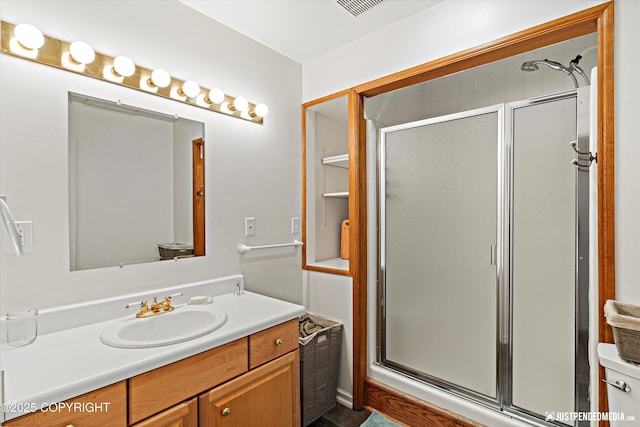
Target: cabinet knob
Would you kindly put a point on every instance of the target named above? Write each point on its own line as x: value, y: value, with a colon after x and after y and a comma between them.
x: 279, y: 342
x: 226, y: 412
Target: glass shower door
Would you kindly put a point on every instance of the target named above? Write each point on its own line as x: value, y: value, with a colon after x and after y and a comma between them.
x: 439, y: 210
x: 543, y: 256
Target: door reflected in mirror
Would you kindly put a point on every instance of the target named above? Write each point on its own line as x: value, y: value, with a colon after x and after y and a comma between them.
x: 136, y: 185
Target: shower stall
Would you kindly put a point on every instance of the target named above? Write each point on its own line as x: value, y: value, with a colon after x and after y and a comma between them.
x: 483, y: 254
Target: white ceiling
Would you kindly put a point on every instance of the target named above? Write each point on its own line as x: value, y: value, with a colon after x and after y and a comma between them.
x: 304, y: 29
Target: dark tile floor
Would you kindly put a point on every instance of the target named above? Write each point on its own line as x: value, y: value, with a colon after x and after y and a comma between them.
x: 341, y: 416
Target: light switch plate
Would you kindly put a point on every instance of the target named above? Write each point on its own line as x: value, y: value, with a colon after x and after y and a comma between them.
x: 295, y: 225
x: 25, y: 234
x: 250, y: 226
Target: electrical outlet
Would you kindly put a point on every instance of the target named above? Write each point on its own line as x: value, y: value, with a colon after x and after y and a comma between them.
x: 250, y: 226
x: 25, y: 235
x: 295, y: 225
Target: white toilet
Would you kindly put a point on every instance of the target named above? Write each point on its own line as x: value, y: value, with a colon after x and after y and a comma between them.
x: 623, y: 386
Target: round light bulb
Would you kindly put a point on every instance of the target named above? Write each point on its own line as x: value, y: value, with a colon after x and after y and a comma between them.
x: 81, y: 52
x: 216, y: 96
x: 261, y: 110
x: 190, y: 88
x: 241, y: 103
x: 160, y: 77
x: 124, y: 66
x: 29, y: 36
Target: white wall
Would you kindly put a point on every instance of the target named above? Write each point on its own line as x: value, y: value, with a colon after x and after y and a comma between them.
x: 330, y: 296
x: 251, y: 170
x: 627, y: 129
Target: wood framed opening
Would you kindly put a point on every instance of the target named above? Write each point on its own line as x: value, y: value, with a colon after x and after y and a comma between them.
x: 198, y: 189
x: 596, y: 19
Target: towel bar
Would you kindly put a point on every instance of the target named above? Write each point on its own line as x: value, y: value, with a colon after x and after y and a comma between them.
x: 242, y: 248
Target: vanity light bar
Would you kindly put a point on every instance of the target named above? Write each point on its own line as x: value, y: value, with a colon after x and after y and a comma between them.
x: 81, y: 59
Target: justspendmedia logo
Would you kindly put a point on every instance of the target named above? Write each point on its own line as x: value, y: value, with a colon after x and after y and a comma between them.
x: 571, y: 417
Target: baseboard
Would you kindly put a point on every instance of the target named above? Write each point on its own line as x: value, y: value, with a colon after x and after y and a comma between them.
x: 344, y: 398
x: 408, y: 409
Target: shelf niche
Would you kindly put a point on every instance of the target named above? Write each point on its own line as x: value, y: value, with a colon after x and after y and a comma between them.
x: 326, y: 169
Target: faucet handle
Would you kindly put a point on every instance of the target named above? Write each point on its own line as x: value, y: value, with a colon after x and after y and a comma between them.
x: 144, y: 308
x: 167, y: 301
x: 136, y: 303
x: 177, y: 294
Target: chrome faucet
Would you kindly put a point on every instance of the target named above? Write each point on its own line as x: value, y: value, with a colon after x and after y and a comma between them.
x: 238, y: 289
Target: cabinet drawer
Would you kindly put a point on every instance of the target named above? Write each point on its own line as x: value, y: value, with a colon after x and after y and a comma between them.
x: 184, y: 414
x: 273, y: 342
x: 104, y: 407
x: 156, y: 390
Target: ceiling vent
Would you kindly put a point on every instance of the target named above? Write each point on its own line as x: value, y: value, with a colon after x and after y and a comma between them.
x: 356, y: 7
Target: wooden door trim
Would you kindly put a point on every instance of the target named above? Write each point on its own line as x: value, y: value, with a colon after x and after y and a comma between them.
x: 198, y: 196
x: 606, y: 193
x: 598, y: 18
x: 358, y: 265
x: 305, y: 106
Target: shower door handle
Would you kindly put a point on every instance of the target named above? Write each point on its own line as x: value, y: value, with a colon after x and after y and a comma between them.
x: 494, y: 254
x: 620, y: 385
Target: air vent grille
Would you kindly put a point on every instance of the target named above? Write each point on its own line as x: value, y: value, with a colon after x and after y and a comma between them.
x: 356, y: 7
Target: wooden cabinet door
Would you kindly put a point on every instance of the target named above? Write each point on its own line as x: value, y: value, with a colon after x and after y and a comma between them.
x: 268, y: 396
x: 182, y: 415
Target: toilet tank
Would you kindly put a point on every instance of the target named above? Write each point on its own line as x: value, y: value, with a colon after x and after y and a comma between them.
x: 624, y: 396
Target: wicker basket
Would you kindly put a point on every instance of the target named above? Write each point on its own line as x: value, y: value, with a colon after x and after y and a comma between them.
x: 319, y: 368
x: 173, y: 250
x: 625, y: 322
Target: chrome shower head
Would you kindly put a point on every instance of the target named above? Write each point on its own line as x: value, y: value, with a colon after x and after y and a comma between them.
x: 533, y: 66
x: 529, y: 66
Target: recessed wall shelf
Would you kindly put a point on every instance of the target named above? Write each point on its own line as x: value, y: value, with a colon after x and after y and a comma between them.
x: 333, y: 264
x: 326, y: 169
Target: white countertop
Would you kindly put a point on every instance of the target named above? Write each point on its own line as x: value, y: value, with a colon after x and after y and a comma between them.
x: 70, y: 362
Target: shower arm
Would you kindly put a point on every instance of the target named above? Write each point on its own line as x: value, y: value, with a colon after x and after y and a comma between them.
x: 573, y: 65
x: 580, y: 71
x: 575, y: 81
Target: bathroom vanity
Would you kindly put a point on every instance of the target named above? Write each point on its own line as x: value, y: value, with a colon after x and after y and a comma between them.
x: 245, y: 373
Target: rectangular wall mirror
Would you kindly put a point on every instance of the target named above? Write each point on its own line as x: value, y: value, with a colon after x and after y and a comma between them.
x: 136, y: 185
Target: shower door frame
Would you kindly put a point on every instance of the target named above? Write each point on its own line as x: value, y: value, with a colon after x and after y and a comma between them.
x: 497, y: 255
x: 599, y: 18
x: 503, y: 256
x: 582, y: 378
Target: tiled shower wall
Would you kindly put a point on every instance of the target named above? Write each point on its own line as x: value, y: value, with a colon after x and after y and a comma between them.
x: 495, y: 83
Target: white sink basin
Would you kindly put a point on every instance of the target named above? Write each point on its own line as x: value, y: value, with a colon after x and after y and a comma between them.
x: 182, y: 324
